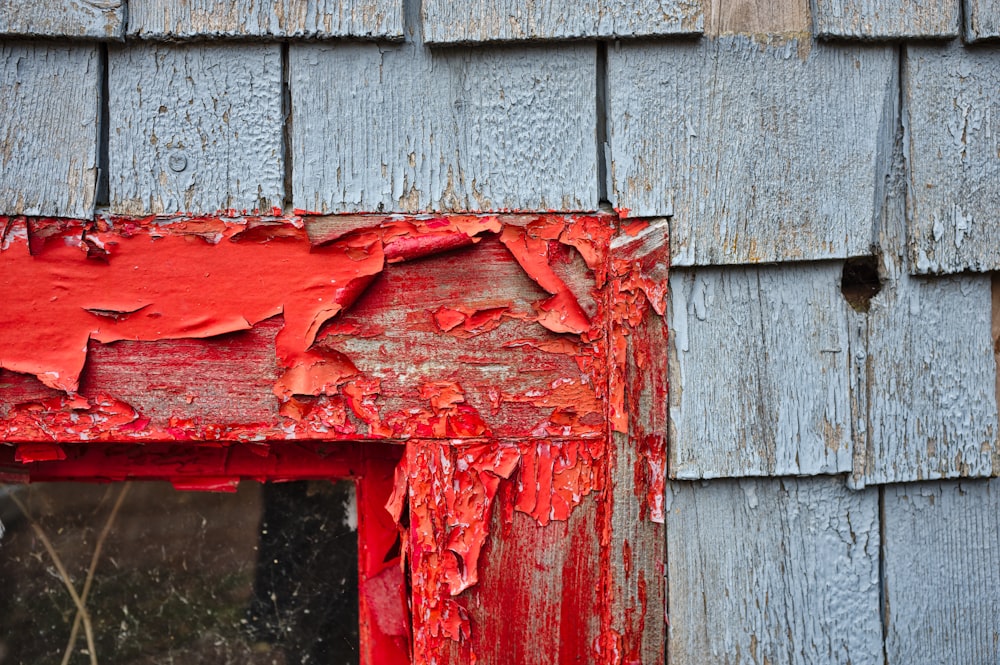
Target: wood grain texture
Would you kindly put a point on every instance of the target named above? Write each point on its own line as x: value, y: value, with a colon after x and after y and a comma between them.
x: 195, y: 128
x: 760, y: 152
x: 878, y: 19
x: 942, y: 553
x: 952, y: 101
x: 773, y: 571
x: 512, y: 20
x: 402, y: 128
x: 95, y: 19
x: 759, y: 372
x: 982, y: 20
x: 757, y: 17
x: 171, y: 19
x: 48, y: 129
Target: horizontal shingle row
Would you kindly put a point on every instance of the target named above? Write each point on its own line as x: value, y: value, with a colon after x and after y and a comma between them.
x: 451, y: 21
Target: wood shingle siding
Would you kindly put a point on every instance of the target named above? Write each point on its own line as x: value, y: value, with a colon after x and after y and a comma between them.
x: 48, y: 128
x: 982, y: 20
x: 93, y: 19
x: 760, y: 152
x: 886, y: 19
x: 773, y: 571
x: 952, y: 102
x: 942, y: 553
x: 513, y: 20
x: 779, y: 334
x: 171, y: 19
x: 405, y: 128
x: 195, y: 128
x: 931, y: 381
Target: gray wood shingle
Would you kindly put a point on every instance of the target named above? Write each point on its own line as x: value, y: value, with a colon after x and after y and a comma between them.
x: 96, y: 19
x: 952, y: 98
x: 760, y: 152
x: 195, y: 128
x: 404, y: 128
x: 48, y: 129
x: 169, y: 19
x: 982, y: 20
x: 942, y: 554
x: 512, y: 20
x: 886, y: 19
x: 759, y: 372
x: 773, y: 571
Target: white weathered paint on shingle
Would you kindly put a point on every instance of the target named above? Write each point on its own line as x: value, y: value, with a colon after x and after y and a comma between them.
x: 982, y: 20
x: 511, y: 20
x: 932, y: 408
x: 773, y: 571
x: 942, y: 555
x: 760, y: 152
x: 886, y: 19
x: 195, y: 128
x: 170, y: 19
x: 952, y: 99
x: 759, y: 372
x: 95, y: 19
x: 404, y: 128
x: 48, y: 129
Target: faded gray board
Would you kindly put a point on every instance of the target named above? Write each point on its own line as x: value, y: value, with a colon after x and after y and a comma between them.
x: 942, y: 555
x: 886, y: 19
x: 513, y: 20
x: 406, y: 129
x: 760, y: 152
x: 982, y: 20
x: 759, y: 372
x: 952, y: 101
x: 97, y: 19
x: 773, y: 571
x: 48, y: 129
x: 195, y: 128
x: 931, y: 380
x: 160, y: 19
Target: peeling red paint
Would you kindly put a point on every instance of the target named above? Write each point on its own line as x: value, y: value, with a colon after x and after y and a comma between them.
x: 540, y: 378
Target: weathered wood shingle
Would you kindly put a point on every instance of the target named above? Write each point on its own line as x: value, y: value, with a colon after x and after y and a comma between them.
x: 942, y: 554
x: 48, y: 129
x: 404, y: 128
x: 952, y: 98
x: 759, y: 372
x: 773, y: 571
x: 886, y: 19
x: 511, y: 20
x: 195, y: 128
x: 95, y: 19
x: 982, y: 20
x: 170, y: 19
x: 760, y: 152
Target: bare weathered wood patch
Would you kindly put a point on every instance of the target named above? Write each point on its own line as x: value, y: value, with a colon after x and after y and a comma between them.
x: 789, y: 18
x: 760, y: 152
x: 170, y: 19
x: 48, y: 129
x: 942, y: 553
x: 511, y: 20
x: 59, y: 18
x: 195, y: 128
x: 982, y: 20
x: 759, y: 372
x: 952, y: 97
x: 773, y: 571
x: 881, y: 19
x: 403, y: 128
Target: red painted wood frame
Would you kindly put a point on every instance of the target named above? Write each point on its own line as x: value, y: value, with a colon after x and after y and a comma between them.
x: 515, y: 361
